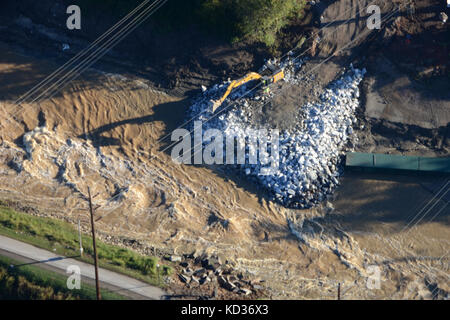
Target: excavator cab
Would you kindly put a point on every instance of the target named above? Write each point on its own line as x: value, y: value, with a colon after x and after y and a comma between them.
x: 277, y: 76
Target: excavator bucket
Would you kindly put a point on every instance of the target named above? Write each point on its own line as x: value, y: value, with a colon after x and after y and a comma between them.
x: 215, y: 104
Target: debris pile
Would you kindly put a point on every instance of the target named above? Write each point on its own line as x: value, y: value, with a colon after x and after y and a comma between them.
x: 212, y: 272
x: 309, y: 153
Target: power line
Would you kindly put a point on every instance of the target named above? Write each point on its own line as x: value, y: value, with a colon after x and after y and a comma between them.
x: 98, y: 53
x: 285, y: 55
x: 77, y: 56
x: 310, y: 71
x: 434, y: 198
x: 161, y: 139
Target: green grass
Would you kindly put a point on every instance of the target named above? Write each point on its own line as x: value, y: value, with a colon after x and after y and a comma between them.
x: 62, y: 238
x: 234, y: 20
x: 257, y: 20
x: 31, y: 282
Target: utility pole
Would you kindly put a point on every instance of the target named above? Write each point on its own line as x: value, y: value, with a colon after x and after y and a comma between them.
x: 97, y: 284
x: 79, y: 237
x: 339, y: 291
x: 157, y: 270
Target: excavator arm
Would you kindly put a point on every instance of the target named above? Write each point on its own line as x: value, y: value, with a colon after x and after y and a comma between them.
x: 235, y: 84
x: 267, y: 80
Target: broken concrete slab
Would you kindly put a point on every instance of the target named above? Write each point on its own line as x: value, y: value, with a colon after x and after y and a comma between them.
x: 205, y: 280
x: 175, y: 258
x: 229, y: 286
x: 245, y: 291
x: 200, y: 272
x: 195, y: 280
x: 184, y: 278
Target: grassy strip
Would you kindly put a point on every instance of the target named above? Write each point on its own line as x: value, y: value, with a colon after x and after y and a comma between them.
x: 34, y: 283
x: 62, y: 238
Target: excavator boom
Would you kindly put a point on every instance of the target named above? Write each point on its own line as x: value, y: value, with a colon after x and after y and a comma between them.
x: 277, y: 76
x: 235, y: 84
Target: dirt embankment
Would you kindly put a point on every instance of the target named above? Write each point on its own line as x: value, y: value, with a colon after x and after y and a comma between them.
x: 175, y: 59
x: 405, y: 101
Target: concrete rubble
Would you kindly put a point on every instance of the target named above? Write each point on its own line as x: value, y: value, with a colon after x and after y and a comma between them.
x: 221, y: 275
x: 309, y: 153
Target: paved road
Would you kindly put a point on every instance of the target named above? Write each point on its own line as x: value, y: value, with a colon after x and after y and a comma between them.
x: 116, y: 280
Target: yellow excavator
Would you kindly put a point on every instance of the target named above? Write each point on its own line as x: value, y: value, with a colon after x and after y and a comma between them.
x: 265, y: 81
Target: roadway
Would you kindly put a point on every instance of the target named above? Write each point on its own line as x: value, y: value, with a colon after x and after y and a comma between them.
x: 109, y: 280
